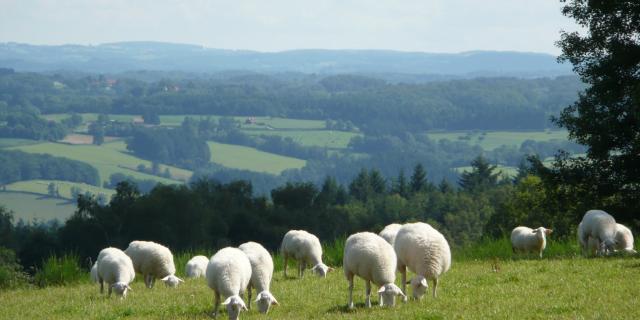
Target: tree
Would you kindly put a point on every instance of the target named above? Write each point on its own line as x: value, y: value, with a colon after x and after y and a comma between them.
x: 378, y: 183
x: 52, y: 190
x: 400, y: 186
x: 98, y: 135
x: 606, y: 116
x: 480, y: 177
x: 151, y: 118
x: 418, y: 178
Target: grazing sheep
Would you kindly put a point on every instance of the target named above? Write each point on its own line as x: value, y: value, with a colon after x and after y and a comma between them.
x: 600, y: 226
x: 305, y: 248
x: 153, y: 261
x: 116, y: 269
x: 370, y: 257
x: 261, y: 274
x: 197, y: 267
x: 389, y: 233
x: 425, y: 252
x: 525, y: 239
x: 589, y: 245
x: 229, y: 274
x: 94, y: 272
x: 624, y: 239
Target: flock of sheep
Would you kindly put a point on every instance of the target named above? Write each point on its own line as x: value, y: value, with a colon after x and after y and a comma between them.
x: 423, y: 250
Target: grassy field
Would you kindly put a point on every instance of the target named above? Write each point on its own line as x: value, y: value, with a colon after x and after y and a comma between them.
x: 64, y: 187
x: 245, y: 158
x: 317, y: 138
x: 108, y: 159
x: 11, y: 142
x: 568, y: 288
x: 493, y: 139
x: 30, y: 207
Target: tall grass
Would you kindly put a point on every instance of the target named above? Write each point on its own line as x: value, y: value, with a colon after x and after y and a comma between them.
x: 60, y: 271
x: 501, y: 249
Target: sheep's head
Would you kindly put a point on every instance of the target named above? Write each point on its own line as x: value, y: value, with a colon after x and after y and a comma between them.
x: 121, y: 288
x: 419, y: 286
x: 542, y: 232
x: 388, y: 293
x: 608, y: 246
x: 234, y: 305
x: 171, y: 281
x: 265, y: 300
x: 321, y: 270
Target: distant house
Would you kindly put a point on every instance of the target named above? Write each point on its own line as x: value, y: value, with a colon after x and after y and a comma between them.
x: 250, y: 120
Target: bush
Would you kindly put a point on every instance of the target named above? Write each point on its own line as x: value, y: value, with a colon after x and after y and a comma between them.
x: 60, y: 271
x: 11, y: 274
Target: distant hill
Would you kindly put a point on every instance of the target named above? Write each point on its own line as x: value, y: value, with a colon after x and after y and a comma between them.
x: 157, y: 56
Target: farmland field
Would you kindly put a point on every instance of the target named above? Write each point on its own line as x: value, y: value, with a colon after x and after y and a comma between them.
x: 317, y: 138
x: 245, y: 158
x: 30, y: 207
x: 64, y: 187
x: 567, y: 288
x: 490, y: 140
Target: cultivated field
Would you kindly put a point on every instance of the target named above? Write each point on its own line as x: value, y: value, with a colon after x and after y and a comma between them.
x: 567, y: 288
x: 490, y: 140
x: 245, y: 158
x: 31, y: 207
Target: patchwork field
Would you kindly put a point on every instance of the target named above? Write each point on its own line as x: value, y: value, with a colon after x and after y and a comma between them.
x: 245, y: 158
x: 490, y: 140
x: 31, y: 207
x: 568, y: 288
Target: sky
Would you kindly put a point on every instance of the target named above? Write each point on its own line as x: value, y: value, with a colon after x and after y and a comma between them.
x: 277, y: 25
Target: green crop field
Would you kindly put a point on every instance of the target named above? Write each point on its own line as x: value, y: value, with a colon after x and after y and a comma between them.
x: 490, y: 140
x: 567, y: 288
x: 64, y: 187
x: 318, y: 138
x: 30, y: 207
x: 245, y: 158
x: 108, y: 159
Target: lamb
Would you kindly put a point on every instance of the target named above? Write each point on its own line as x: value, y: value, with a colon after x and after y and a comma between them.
x: 389, y: 232
x: 116, y: 269
x: 153, y: 261
x: 306, y: 249
x: 370, y: 257
x: 94, y: 272
x: 425, y: 252
x: 525, y: 239
x: 624, y: 239
x: 228, y: 274
x: 600, y: 226
x: 261, y: 274
x: 196, y: 267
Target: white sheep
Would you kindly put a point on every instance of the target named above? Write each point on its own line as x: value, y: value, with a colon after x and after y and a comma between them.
x: 425, y: 252
x: 600, y: 226
x: 261, y: 275
x: 389, y: 232
x: 305, y: 248
x: 196, y: 267
x: 153, y: 261
x: 624, y: 239
x: 116, y: 269
x: 524, y: 239
x: 229, y: 274
x: 373, y: 259
x: 94, y: 272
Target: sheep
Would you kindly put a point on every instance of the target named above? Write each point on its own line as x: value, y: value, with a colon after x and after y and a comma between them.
x: 228, y: 274
x: 370, y: 257
x: 389, y: 232
x: 94, y: 272
x: 589, y: 245
x: 196, y: 267
x: 116, y: 269
x: 153, y: 261
x: 624, y: 239
x: 600, y: 226
x: 306, y: 249
x: 425, y: 252
x: 261, y: 274
x: 525, y: 239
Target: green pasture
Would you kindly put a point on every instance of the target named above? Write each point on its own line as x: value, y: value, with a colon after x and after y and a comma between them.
x: 490, y: 140
x: 12, y: 142
x: 64, y: 187
x: 245, y: 158
x: 317, y: 138
x: 31, y: 207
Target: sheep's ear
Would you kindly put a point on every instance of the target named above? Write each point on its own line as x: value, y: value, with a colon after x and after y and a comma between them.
x: 165, y: 278
x: 227, y: 301
x: 274, y: 302
x: 381, y: 290
x: 129, y: 288
x: 180, y: 280
x: 549, y: 231
x: 424, y: 283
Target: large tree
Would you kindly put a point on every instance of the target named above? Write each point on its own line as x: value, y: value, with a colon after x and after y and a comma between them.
x: 606, y: 116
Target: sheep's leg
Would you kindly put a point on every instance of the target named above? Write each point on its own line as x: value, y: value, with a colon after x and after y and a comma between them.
x: 216, y: 303
x: 435, y: 287
x: 101, y: 286
x: 367, y: 301
x: 152, y: 280
x: 249, y: 297
x: 350, y: 279
x: 109, y: 289
x: 403, y: 271
x: 285, y: 264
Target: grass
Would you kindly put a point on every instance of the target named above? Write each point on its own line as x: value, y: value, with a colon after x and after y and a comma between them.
x: 64, y: 187
x: 13, y: 142
x: 317, y: 138
x: 558, y: 288
x: 245, y: 158
x: 57, y: 271
x: 30, y: 207
x: 108, y: 158
x: 489, y: 140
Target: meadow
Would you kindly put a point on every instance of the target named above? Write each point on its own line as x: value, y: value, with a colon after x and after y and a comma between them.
x: 64, y: 188
x: 485, y: 282
x: 246, y: 158
x: 34, y: 207
x: 489, y: 140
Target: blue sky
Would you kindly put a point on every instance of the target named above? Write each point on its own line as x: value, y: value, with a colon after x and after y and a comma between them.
x: 276, y: 25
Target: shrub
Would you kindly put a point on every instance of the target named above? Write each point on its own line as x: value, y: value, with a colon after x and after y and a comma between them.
x: 60, y: 271
x: 11, y: 273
